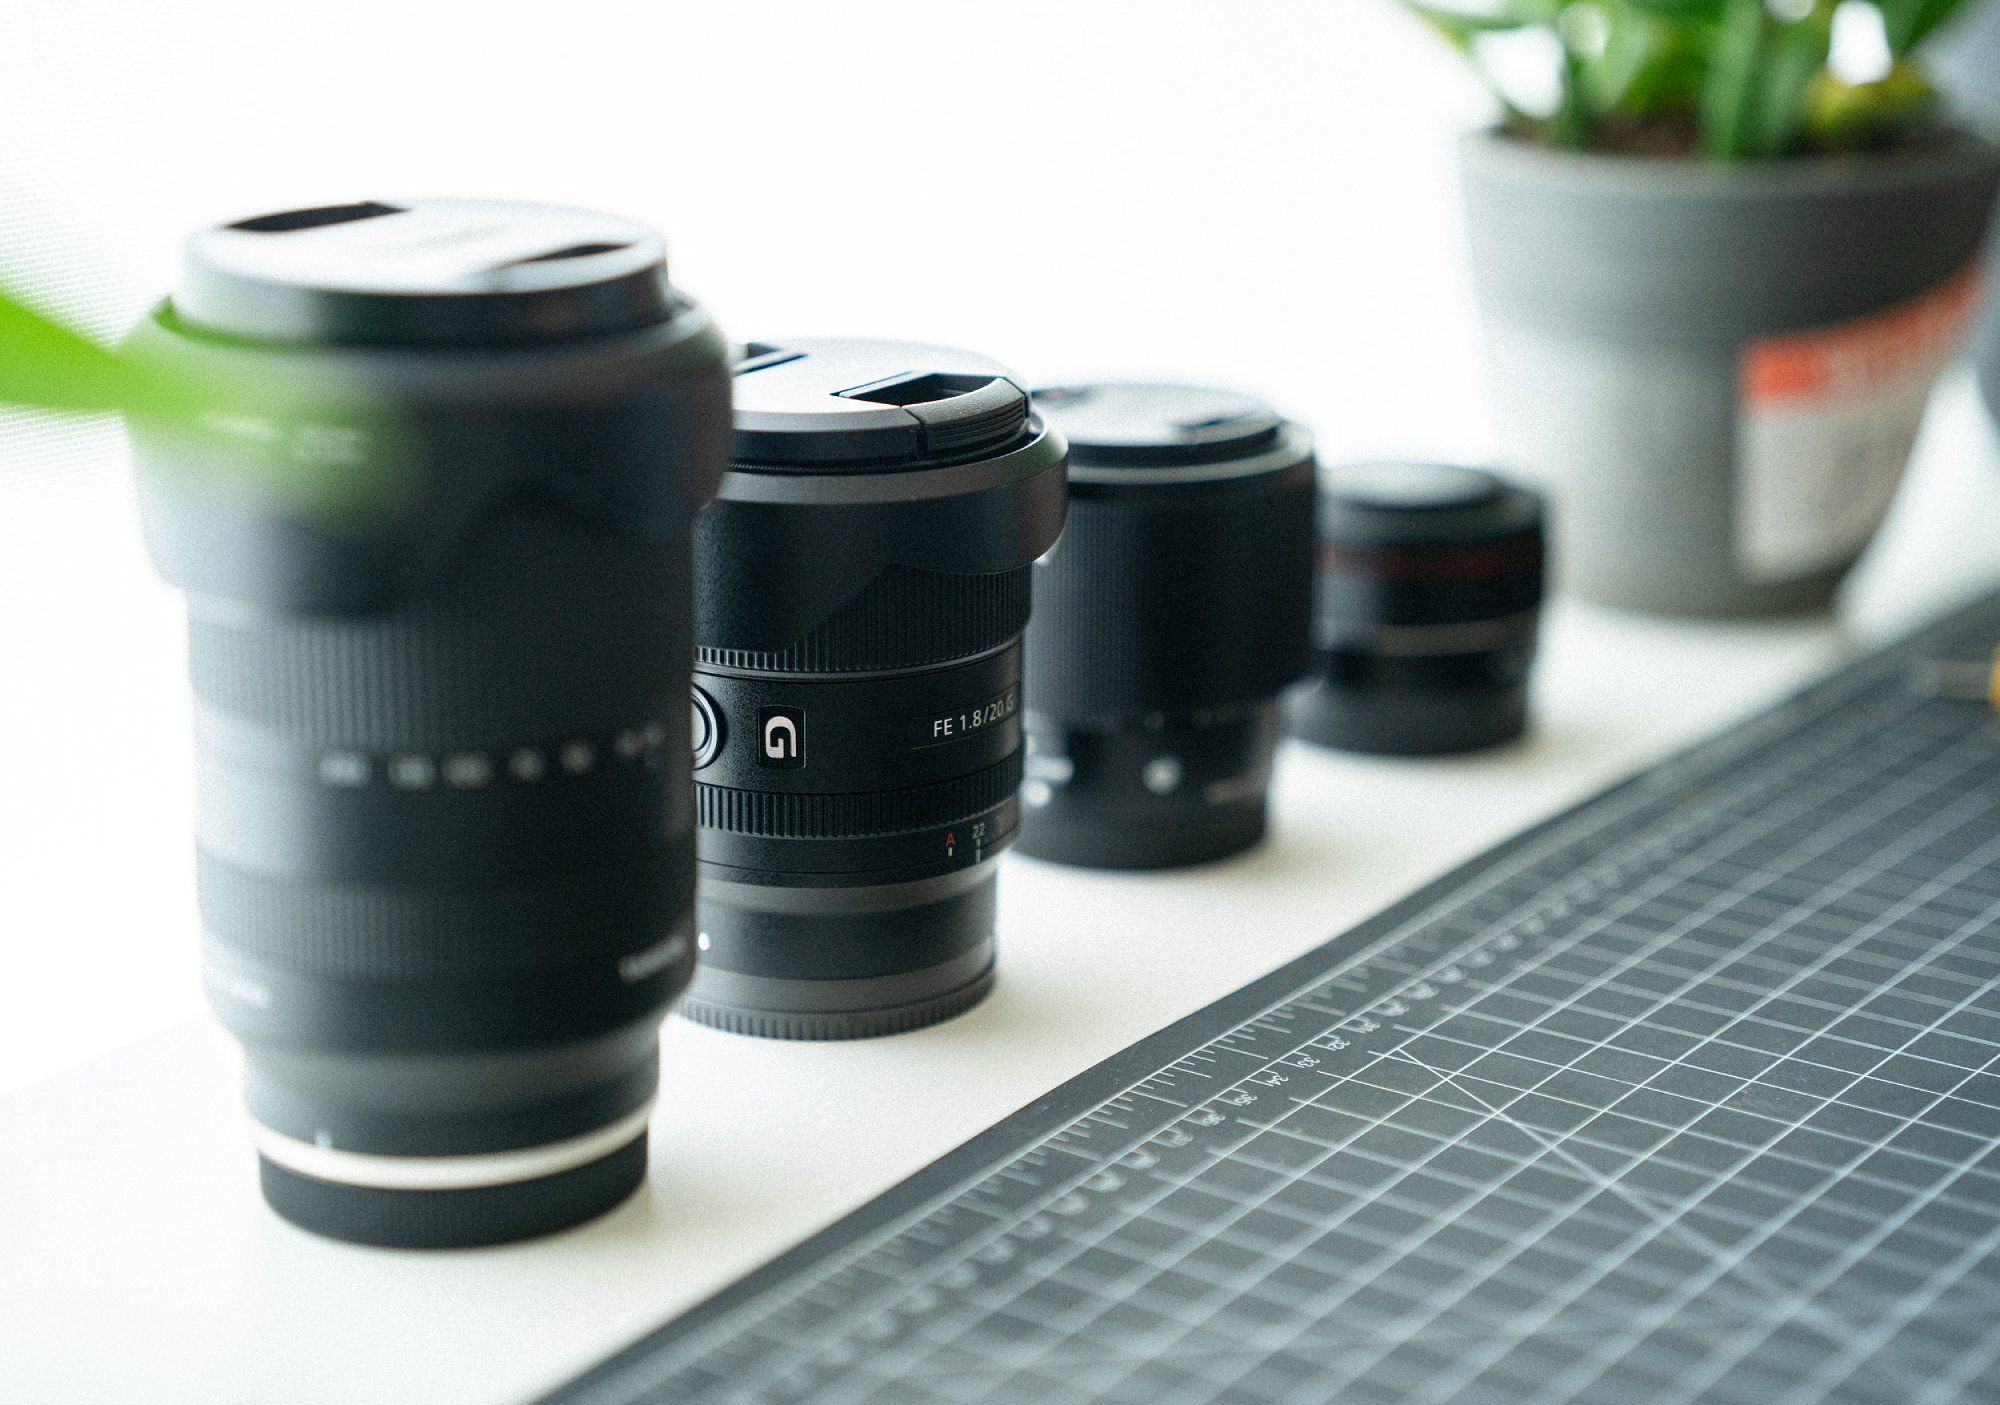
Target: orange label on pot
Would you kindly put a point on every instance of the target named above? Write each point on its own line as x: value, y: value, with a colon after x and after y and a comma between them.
x: 1826, y: 420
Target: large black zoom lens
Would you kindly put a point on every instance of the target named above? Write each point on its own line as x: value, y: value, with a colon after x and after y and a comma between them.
x: 1167, y: 620
x: 862, y: 584
x: 436, y: 545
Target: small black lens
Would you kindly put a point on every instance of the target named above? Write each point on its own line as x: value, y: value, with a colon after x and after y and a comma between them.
x: 1430, y: 584
x: 435, y: 534
x: 862, y: 584
x: 1167, y: 620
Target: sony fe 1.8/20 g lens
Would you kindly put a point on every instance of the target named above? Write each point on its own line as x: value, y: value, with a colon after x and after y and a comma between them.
x: 862, y: 584
x: 1167, y: 620
x: 435, y: 538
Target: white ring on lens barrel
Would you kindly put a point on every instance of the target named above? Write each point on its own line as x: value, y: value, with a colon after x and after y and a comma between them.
x: 487, y: 1168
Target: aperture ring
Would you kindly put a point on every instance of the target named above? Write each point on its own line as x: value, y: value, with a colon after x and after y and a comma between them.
x: 772, y: 815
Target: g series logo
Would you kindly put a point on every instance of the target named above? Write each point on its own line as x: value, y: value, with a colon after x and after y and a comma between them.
x: 781, y: 737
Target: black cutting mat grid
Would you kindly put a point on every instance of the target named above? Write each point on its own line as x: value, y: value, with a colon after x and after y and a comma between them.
x: 1693, y: 1094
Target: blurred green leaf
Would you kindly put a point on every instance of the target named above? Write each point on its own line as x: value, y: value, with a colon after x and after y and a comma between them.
x: 1682, y: 10
x: 1572, y: 124
x: 45, y: 365
x: 1670, y: 83
x: 1460, y: 27
x: 1906, y: 23
x: 1730, y: 80
x: 1729, y: 95
x: 319, y: 445
x: 1634, y: 41
x: 1795, y: 53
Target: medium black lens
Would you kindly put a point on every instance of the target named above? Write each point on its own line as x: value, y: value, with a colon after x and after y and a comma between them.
x: 1167, y: 620
x: 435, y: 537
x: 1430, y: 584
x: 862, y: 584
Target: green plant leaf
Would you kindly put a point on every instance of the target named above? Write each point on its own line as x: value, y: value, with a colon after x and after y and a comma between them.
x: 1460, y: 27
x: 45, y: 365
x: 1670, y: 84
x: 1729, y: 94
x: 1906, y: 23
x: 1680, y: 10
x: 1634, y: 42
x: 322, y: 446
x: 1465, y: 21
x: 1572, y: 125
x: 1732, y: 80
x: 1795, y: 53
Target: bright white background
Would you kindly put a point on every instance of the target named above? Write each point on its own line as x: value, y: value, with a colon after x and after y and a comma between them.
x: 1253, y: 191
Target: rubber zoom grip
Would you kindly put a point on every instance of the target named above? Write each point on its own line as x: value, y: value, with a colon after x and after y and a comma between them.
x: 486, y: 783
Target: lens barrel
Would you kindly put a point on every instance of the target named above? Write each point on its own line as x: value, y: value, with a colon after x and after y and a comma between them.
x: 1168, y: 619
x: 862, y: 585
x: 1430, y: 587
x: 435, y: 539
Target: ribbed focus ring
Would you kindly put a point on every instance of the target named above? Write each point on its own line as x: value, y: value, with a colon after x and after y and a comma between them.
x: 1198, y: 599
x: 903, y: 619
x: 772, y: 815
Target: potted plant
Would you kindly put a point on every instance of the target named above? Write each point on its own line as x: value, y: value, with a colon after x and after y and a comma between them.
x: 1717, y: 281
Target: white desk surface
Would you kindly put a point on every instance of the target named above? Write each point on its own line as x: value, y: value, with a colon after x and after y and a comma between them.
x: 138, y: 1264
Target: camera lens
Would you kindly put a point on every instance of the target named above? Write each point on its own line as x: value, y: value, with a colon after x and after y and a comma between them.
x: 1167, y: 620
x: 1430, y: 584
x: 862, y: 584
x: 435, y: 539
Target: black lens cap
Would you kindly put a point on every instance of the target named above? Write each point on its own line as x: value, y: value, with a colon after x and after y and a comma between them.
x: 855, y: 405
x: 424, y: 273
x: 1392, y: 504
x: 1411, y: 487
x: 1149, y: 424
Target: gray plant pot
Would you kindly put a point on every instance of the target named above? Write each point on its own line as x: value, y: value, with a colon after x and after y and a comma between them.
x: 1716, y: 371
x: 1966, y: 60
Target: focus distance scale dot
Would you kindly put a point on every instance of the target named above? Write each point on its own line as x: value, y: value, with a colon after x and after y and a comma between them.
x: 1430, y: 589
x: 435, y: 536
x: 1168, y: 619
x: 862, y: 587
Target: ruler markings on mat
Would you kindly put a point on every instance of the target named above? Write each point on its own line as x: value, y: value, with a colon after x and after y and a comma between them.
x: 1691, y: 1093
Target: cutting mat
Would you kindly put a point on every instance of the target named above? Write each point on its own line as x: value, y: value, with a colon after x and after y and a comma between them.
x: 1692, y: 1093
